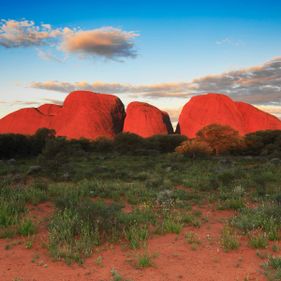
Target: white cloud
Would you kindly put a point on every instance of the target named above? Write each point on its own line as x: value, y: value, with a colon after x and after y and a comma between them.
x: 107, y: 42
x: 15, y: 34
x: 230, y: 42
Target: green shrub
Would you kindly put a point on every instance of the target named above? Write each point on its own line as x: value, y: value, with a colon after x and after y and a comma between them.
x: 229, y: 239
x: 258, y: 241
x: 137, y: 236
x: 27, y: 228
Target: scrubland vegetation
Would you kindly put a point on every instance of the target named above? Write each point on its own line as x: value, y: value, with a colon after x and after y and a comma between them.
x: 130, y: 189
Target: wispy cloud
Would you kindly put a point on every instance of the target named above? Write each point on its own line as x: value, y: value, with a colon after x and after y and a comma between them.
x: 107, y: 42
x: 150, y: 91
x: 256, y: 85
x: 46, y: 55
x: 230, y: 42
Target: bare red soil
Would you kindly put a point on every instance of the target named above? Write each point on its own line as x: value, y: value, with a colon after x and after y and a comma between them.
x: 174, y: 257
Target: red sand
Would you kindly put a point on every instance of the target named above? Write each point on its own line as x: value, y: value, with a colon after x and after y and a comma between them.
x: 175, y: 259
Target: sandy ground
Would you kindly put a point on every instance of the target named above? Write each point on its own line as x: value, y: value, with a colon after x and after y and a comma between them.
x: 174, y: 257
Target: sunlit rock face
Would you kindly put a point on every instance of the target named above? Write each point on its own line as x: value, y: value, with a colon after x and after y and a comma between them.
x: 25, y: 121
x: 83, y: 115
x: 50, y: 109
x: 146, y: 120
x: 89, y: 115
x: 207, y: 109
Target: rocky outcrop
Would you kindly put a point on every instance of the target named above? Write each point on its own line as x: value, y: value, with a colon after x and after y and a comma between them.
x: 146, y: 120
x: 208, y: 109
x: 89, y: 115
x: 83, y: 115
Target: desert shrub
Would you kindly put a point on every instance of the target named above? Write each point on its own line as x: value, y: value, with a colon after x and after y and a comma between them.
x: 74, y: 231
x: 258, y: 241
x: 220, y: 138
x: 27, y: 227
x: 265, y: 143
x: 13, y: 145
x: 194, y: 148
x: 40, y: 138
x: 16, y: 145
x: 127, y: 143
x: 273, y: 268
x: 145, y: 260
x: 137, y: 236
x: 164, y: 143
x: 265, y: 217
x: 229, y: 239
x: 57, y: 155
x: 102, y: 145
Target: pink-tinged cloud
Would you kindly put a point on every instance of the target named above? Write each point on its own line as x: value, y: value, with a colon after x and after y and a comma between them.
x: 108, y: 42
x: 256, y: 85
x: 15, y: 34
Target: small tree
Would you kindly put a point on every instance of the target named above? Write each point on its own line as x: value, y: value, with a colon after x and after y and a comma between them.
x: 220, y: 138
x: 194, y: 148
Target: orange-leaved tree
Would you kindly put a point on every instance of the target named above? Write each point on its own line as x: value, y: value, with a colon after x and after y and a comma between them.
x: 220, y: 138
x: 194, y: 148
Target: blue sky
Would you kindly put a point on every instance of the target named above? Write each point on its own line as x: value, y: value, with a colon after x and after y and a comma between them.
x: 176, y: 42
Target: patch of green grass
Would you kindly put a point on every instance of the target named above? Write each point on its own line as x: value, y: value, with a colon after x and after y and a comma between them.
x: 229, y: 239
x: 273, y: 268
x: 144, y: 260
x: 258, y: 241
x: 27, y: 228
x: 172, y: 224
x: 232, y: 203
x: 191, y: 219
x: 137, y: 236
x: 265, y: 217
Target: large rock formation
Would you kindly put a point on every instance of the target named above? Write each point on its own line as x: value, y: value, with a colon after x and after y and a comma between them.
x: 83, y: 115
x: 207, y: 109
x: 89, y: 115
x: 146, y: 120
x: 25, y: 121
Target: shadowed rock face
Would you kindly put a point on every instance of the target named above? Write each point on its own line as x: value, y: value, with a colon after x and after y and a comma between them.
x: 207, y: 109
x: 146, y: 120
x: 83, y: 115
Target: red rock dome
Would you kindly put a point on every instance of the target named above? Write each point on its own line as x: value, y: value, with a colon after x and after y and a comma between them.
x: 89, y: 115
x: 255, y: 119
x: 83, y: 115
x: 146, y: 120
x: 207, y: 109
x: 25, y: 121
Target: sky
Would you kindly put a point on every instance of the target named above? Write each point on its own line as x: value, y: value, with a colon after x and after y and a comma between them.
x: 160, y: 52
